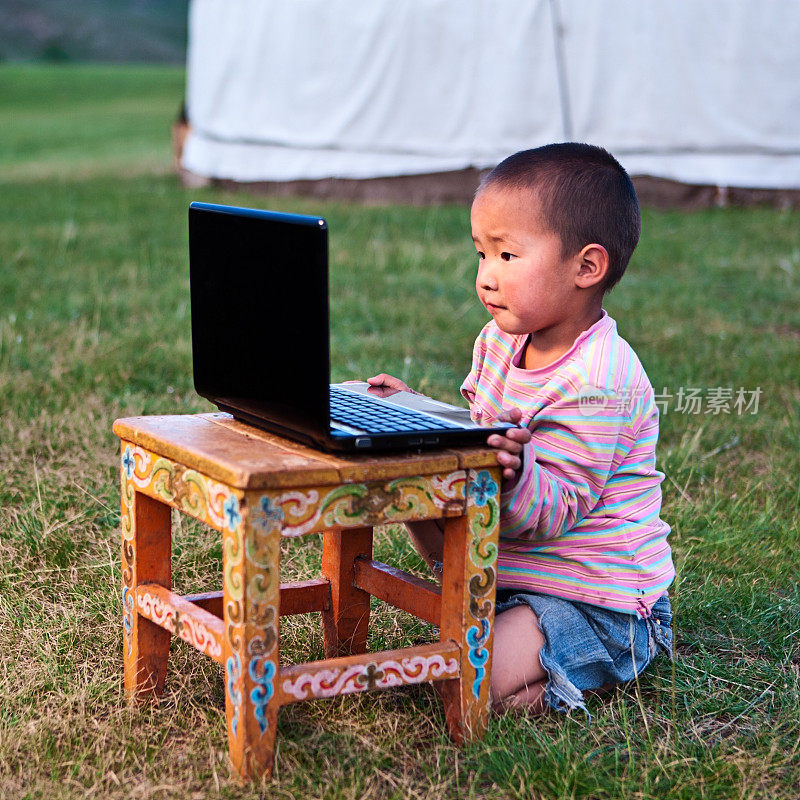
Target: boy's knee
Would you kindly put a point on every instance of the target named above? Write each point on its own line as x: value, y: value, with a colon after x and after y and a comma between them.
x: 428, y: 540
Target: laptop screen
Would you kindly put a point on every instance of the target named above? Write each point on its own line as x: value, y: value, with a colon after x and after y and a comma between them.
x: 259, y: 291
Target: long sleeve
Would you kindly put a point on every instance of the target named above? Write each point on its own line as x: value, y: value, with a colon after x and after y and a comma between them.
x: 470, y: 385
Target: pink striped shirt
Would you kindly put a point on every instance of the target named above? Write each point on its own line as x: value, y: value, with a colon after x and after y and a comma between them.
x: 582, y: 522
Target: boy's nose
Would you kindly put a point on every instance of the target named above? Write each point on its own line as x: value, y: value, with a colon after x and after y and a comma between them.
x: 486, y: 278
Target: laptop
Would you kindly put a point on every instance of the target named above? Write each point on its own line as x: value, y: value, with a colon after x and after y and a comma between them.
x: 261, y: 340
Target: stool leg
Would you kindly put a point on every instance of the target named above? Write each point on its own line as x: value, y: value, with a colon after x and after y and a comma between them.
x: 468, y: 589
x: 345, y: 625
x: 251, y: 608
x: 146, y: 553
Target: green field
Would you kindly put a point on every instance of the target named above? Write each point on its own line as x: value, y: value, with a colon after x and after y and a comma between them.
x: 94, y: 325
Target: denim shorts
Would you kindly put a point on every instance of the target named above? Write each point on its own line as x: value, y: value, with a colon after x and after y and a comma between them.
x: 589, y: 647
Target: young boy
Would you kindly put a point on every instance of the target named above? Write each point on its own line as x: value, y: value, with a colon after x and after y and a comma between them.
x: 584, y: 563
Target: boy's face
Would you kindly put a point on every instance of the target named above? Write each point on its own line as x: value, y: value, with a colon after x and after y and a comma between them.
x: 522, y: 279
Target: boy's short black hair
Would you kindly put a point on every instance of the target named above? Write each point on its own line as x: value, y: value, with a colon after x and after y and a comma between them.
x: 584, y: 194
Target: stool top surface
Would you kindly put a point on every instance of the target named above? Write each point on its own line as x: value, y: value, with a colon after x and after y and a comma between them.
x: 246, y: 457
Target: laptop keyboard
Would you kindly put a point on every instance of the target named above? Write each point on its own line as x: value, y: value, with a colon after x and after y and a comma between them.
x: 364, y: 413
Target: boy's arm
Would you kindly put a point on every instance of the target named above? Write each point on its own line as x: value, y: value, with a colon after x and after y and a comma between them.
x: 470, y: 385
x: 565, y: 467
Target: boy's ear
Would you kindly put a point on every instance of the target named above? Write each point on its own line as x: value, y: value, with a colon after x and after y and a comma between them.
x: 592, y: 266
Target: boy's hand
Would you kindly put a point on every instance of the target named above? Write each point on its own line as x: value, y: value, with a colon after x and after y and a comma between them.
x: 509, y: 446
x: 384, y: 385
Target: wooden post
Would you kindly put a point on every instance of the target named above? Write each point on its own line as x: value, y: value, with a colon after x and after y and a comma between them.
x: 345, y: 625
x: 146, y: 552
x: 468, y: 594
x: 251, y: 608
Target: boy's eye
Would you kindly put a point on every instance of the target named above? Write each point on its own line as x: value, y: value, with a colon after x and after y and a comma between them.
x: 481, y: 255
x: 506, y: 256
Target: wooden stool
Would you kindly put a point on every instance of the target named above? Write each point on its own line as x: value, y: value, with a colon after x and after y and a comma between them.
x: 254, y: 488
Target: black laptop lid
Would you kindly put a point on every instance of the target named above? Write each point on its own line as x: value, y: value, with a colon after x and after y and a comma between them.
x: 259, y: 291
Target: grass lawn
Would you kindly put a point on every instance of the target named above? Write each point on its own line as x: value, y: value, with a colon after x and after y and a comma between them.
x: 94, y: 325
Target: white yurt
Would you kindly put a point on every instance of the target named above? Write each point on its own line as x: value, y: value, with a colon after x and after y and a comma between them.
x: 412, y: 99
